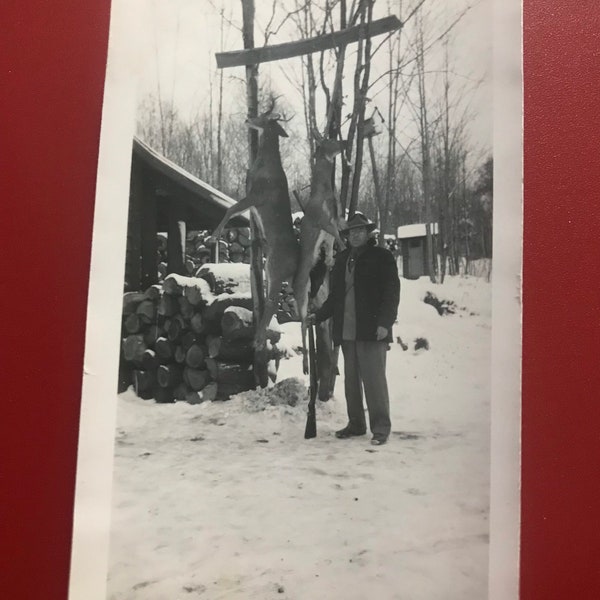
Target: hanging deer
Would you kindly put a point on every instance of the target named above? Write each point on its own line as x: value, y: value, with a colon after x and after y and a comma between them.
x: 267, y: 196
x: 319, y: 228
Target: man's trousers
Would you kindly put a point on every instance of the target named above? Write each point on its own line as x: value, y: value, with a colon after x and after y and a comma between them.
x: 364, y: 366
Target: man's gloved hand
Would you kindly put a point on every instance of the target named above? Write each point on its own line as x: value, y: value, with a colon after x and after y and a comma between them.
x: 381, y: 333
x: 311, y: 319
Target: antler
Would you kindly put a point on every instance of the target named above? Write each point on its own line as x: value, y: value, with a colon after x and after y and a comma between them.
x: 271, y: 107
x: 284, y: 118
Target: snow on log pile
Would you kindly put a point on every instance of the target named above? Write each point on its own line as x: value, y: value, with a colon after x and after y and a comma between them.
x: 190, y: 338
x: 234, y: 246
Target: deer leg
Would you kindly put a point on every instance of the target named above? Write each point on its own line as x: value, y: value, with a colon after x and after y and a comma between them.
x: 241, y: 206
x: 301, y: 289
x: 339, y: 240
x: 260, y: 339
x: 332, y: 229
x: 304, y: 328
x: 302, y: 305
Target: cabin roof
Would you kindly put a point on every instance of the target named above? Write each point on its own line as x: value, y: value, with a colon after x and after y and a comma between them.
x: 207, y: 204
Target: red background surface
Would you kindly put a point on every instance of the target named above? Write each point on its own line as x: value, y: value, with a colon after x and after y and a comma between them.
x: 52, y: 67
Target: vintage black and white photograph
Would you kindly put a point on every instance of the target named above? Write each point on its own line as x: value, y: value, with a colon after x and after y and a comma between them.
x: 289, y: 362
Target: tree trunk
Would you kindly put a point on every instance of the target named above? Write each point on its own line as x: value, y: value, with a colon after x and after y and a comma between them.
x: 133, y: 348
x: 237, y: 323
x: 256, y: 261
x: 164, y: 395
x: 226, y: 372
x: 175, y: 328
x: 132, y: 323
x: 169, y: 376
x: 378, y: 195
x: 171, y: 286
x: 231, y: 350
x: 197, y: 293
x: 186, y: 309
x: 152, y: 334
x: 425, y: 151
x: 195, y: 357
x: 164, y: 348
x: 220, y: 119
x: 215, y: 310
x: 150, y: 360
x: 360, y: 95
x: 143, y: 381
x: 197, y: 323
x: 187, y: 339
x: 179, y: 355
x: 146, y: 311
x: 207, y: 394
x: 131, y: 301
x: 196, y: 379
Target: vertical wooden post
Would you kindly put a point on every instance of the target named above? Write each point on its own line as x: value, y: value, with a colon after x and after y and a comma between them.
x: 149, y: 244
x: 133, y: 259
x: 176, y: 240
x: 251, y: 76
x: 256, y: 251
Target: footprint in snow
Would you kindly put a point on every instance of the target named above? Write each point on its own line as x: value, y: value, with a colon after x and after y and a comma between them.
x: 359, y: 559
x: 199, y: 589
x: 143, y: 584
x: 406, y: 435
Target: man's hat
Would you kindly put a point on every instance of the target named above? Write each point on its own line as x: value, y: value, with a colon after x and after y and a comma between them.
x: 358, y: 220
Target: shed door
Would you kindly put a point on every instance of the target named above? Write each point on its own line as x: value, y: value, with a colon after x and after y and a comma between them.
x: 416, y: 262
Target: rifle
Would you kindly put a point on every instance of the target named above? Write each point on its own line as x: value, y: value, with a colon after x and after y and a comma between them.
x: 311, y: 420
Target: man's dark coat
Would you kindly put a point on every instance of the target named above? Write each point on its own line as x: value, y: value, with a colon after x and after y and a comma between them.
x: 377, y: 294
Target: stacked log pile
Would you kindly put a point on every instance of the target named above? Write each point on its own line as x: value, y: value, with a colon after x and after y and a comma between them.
x: 197, y: 252
x: 190, y: 338
x: 238, y: 244
x: 234, y: 246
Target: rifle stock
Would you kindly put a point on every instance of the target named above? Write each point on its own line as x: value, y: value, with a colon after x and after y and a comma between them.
x: 310, y: 430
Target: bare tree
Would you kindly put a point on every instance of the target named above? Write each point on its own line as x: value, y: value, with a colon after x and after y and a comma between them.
x: 425, y: 138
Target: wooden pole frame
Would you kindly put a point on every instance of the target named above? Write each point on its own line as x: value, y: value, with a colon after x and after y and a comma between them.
x: 250, y: 57
x: 256, y: 252
x: 254, y: 56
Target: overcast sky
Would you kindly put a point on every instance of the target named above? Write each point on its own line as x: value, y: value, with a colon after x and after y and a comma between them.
x: 180, y: 37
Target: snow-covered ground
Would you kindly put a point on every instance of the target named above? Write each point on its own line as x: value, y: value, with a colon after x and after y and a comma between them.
x: 227, y: 500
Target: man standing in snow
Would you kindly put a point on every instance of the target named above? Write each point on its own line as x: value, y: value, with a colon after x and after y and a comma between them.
x: 363, y: 301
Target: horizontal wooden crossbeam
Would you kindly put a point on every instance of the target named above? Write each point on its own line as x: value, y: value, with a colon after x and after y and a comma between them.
x: 253, y: 56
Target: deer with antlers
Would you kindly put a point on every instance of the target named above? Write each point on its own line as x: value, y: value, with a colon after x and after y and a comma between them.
x: 267, y: 196
x: 319, y: 228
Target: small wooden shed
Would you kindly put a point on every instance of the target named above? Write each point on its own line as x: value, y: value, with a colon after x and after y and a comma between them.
x: 164, y: 197
x: 413, y: 244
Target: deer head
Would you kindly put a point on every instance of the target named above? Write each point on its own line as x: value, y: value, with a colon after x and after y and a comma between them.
x: 327, y: 147
x: 268, y: 121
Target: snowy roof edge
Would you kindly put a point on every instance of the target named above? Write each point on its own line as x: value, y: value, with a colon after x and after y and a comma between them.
x: 415, y: 230
x: 168, y: 167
